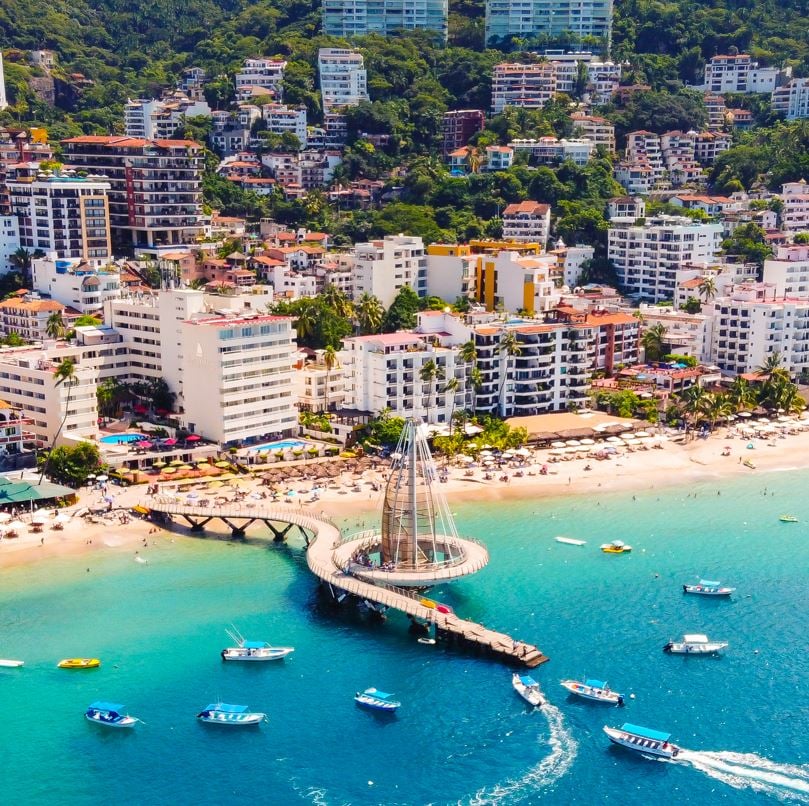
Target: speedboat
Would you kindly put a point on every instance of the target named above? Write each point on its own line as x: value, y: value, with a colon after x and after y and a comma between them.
x: 12, y: 664
x: 79, y: 663
x: 109, y: 715
x: 376, y: 699
x: 615, y: 547
x: 643, y: 740
x: 528, y: 689
x: 788, y: 519
x: 707, y: 587
x: 253, y: 650
x: 695, y: 644
x: 570, y: 541
x: 220, y: 713
x: 596, y: 690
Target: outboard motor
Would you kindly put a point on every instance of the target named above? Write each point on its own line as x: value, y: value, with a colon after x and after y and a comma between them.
x: 667, y: 647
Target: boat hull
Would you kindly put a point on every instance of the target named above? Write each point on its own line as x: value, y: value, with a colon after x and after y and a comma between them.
x: 257, y: 656
x: 711, y: 648
x: 569, y: 541
x: 531, y: 695
x: 699, y: 590
x: 593, y: 695
x: 12, y: 664
x: 79, y: 663
x: 640, y: 744
x: 233, y: 720
x: 123, y: 722
x: 376, y: 705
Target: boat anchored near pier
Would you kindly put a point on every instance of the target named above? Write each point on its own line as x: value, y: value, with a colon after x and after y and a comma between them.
x: 253, y: 651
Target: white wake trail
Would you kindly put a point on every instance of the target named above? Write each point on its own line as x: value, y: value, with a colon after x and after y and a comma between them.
x: 548, y: 771
x: 750, y: 771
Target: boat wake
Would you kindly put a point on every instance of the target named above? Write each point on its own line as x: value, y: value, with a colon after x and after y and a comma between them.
x: 789, y: 782
x: 547, y: 772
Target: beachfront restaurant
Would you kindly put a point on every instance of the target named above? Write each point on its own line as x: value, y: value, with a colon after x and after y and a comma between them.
x: 22, y: 493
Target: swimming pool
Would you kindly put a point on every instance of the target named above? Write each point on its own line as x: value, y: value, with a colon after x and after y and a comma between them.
x: 281, y: 444
x: 122, y: 439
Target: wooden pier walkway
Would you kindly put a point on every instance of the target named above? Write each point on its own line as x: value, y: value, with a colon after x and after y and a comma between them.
x: 324, y: 539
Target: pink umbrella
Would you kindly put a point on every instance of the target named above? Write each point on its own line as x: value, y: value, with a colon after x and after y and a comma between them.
x: 193, y: 438
x: 170, y: 441
x: 144, y: 444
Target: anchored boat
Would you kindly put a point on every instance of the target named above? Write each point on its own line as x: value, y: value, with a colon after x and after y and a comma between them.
x: 377, y: 700
x: 788, y: 519
x: 707, y: 587
x: 109, y: 714
x: 79, y: 663
x: 615, y: 547
x: 570, y: 541
x: 595, y: 690
x: 221, y: 713
x: 528, y: 689
x: 695, y: 644
x: 12, y: 664
x: 643, y: 740
x: 253, y: 650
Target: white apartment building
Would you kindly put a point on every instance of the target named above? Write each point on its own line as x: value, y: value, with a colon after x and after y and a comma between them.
x: 571, y: 260
x: 529, y: 86
x: 795, y: 214
x: 237, y: 377
x: 739, y: 73
x: 75, y: 283
x: 643, y: 148
x: 602, y: 81
x: 64, y: 213
x: 498, y: 158
x: 280, y: 118
x: 550, y: 151
x: 709, y: 145
x: 28, y: 316
x: 597, y: 129
x: 159, y: 118
x: 9, y: 241
x: 527, y: 222
x: 381, y: 268
x: 348, y: 18
x: 450, y: 271
x: 343, y: 78
x: 788, y: 271
x: 260, y: 77
x: 792, y: 100
x: 317, y: 388
x: 686, y: 333
x: 626, y: 209
x: 511, y: 282
x: 647, y: 256
x: 636, y: 178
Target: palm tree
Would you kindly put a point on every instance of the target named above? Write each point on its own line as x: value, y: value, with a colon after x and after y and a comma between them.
x: 335, y: 299
x: 330, y: 361
x: 741, y: 394
x: 430, y: 372
x: 509, y: 347
x: 65, y: 375
x: 476, y: 380
x: 307, y: 321
x: 772, y: 362
x: 716, y: 407
x: 369, y: 313
x: 638, y: 314
x: 451, y: 387
x: 707, y: 288
x: 55, y: 326
x: 652, y: 341
x: 21, y: 259
x: 468, y: 354
x: 693, y: 402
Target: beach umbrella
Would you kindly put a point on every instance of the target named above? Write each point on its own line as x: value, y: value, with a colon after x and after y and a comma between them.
x: 5, y: 517
x: 170, y: 470
x: 185, y: 468
x: 62, y: 519
x: 223, y: 464
x: 745, y: 414
x: 176, y: 462
x: 193, y: 438
x: 102, y: 478
x: 170, y: 441
x: 466, y: 459
x: 215, y: 484
x: 15, y: 526
x: 588, y: 442
x: 203, y: 464
x: 642, y: 434
x: 557, y: 444
x: 524, y: 451
x: 573, y: 443
x: 613, y: 439
x: 159, y: 464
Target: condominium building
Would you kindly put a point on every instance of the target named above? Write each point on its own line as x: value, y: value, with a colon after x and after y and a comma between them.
x: 788, y: 271
x: 9, y: 240
x: 550, y: 151
x: 716, y: 109
x: 685, y: 333
x: 450, y: 271
x: 511, y: 282
x: 28, y: 316
x: 602, y: 78
x: 343, y: 78
x: 709, y: 145
x: 280, y: 118
x: 596, y: 129
x: 795, y: 212
x: 792, y: 100
x: 381, y: 268
x: 739, y: 73
x: 159, y: 118
x: 550, y: 18
x: 65, y: 213
x: 626, y: 209
x: 529, y: 86
x: 527, y: 221
x: 348, y: 18
x: 647, y: 256
x: 260, y: 77
x: 155, y: 195
x: 75, y: 283
x: 318, y: 387
x: 498, y: 158
x: 458, y: 127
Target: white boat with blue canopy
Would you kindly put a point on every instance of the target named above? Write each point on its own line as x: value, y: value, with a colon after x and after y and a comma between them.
x: 528, y: 689
x: 708, y: 587
x: 221, y: 713
x: 253, y: 650
x: 643, y: 740
x: 110, y: 715
x: 695, y: 644
x: 595, y: 690
x: 377, y: 700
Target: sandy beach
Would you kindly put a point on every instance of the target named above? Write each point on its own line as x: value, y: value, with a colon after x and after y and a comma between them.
x: 718, y: 457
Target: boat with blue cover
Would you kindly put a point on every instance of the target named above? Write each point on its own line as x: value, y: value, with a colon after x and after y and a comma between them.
x: 377, y: 700
x: 595, y: 690
x: 110, y: 715
x: 221, y: 713
x: 528, y: 689
x: 253, y: 650
x: 708, y: 587
x: 643, y: 740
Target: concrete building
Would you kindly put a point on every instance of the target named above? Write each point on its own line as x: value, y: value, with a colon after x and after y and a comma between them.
x: 550, y: 151
x: 529, y: 86
x: 155, y: 195
x: 260, y: 77
x: 349, y: 18
x: 343, y: 78
x: 28, y: 316
x: 527, y: 221
x: 739, y: 73
x: 788, y: 271
x: 381, y: 268
x: 647, y: 256
x: 686, y: 333
x: 3, y: 100
x: 498, y: 158
x: 75, y: 283
x: 551, y: 18
x: 9, y: 241
x: 450, y: 271
x: 159, y: 118
x: 458, y: 127
x: 709, y: 145
x: 597, y: 129
x: 795, y: 213
x: 317, y: 388
x: 63, y: 213
x: 792, y: 100
x: 601, y: 80
x: 626, y: 209
x: 510, y: 282
x: 280, y: 118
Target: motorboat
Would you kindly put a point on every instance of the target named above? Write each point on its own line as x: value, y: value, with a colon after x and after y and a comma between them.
x: 221, y: 713
x: 12, y: 664
x: 707, y: 587
x: 615, y: 547
x: 570, y: 541
x: 595, y: 690
x: 79, y: 663
x: 110, y: 715
x: 788, y: 519
x: 528, y: 689
x: 253, y: 650
x: 643, y: 740
x: 428, y: 641
x: 377, y: 700
x: 695, y: 644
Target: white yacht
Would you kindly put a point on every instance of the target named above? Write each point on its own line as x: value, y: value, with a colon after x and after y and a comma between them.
x: 528, y: 689
x: 695, y: 644
x: 643, y: 740
x: 253, y: 650
x: 595, y: 690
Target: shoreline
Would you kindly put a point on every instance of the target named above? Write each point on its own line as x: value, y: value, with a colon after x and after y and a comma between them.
x: 674, y: 465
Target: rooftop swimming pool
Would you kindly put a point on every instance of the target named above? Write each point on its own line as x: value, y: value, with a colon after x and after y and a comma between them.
x: 281, y: 444
x: 122, y: 439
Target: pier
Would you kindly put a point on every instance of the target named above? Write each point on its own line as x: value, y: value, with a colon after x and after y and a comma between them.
x: 326, y: 558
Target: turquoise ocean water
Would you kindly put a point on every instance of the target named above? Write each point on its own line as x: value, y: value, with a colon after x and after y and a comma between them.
x: 462, y: 735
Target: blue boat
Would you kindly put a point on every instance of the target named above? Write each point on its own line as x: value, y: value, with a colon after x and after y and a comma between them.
x: 377, y: 700
x: 643, y: 740
x: 222, y: 713
x: 110, y: 715
x: 596, y: 690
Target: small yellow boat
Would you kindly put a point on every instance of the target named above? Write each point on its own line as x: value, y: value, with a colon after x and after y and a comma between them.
x: 616, y: 547
x: 79, y: 663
